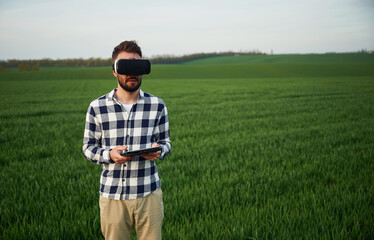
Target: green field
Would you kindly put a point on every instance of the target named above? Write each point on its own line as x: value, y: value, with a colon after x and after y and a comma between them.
x: 264, y: 147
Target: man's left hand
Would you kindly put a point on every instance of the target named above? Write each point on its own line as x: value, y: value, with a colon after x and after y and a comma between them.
x: 152, y: 155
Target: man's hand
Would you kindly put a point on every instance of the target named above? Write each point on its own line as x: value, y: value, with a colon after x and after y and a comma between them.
x: 116, y: 156
x: 152, y: 155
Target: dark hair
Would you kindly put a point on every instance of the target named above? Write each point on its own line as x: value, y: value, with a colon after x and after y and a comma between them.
x: 126, y: 46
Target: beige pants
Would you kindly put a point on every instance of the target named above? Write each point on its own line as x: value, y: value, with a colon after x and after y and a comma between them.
x: 118, y: 217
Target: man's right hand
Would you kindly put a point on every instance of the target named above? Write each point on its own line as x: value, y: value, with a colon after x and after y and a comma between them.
x: 116, y: 156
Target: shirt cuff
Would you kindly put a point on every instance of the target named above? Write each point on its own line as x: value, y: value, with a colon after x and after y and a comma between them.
x: 106, y: 156
x: 163, y: 152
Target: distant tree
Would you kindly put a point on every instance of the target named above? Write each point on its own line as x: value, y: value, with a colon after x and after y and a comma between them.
x: 28, y: 67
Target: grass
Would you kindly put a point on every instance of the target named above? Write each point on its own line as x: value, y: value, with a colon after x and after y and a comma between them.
x: 277, y: 154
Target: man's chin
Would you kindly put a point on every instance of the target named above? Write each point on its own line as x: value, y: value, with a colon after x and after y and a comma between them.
x: 130, y: 88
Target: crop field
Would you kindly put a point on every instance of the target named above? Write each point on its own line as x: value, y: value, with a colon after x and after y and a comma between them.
x: 263, y: 147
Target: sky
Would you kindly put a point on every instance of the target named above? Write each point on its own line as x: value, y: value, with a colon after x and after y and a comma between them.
x: 37, y: 29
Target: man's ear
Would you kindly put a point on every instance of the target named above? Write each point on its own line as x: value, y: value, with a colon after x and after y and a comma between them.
x: 114, y: 73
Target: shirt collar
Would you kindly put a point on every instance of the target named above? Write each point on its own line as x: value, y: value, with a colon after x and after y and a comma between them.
x: 111, y: 95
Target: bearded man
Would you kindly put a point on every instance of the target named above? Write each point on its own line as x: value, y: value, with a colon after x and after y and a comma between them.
x: 128, y: 119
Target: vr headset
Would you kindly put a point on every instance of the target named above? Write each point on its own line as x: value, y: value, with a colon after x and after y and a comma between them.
x: 133, y: 66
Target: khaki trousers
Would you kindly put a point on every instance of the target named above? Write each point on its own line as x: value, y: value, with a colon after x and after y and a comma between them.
x: 118, y: 217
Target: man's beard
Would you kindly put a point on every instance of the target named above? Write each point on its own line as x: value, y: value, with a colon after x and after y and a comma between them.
x: 129, y: 87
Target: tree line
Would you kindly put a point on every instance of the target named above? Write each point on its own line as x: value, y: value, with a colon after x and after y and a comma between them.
x: 36, y: 64
x: 47, y: 62
x: 170, y: 59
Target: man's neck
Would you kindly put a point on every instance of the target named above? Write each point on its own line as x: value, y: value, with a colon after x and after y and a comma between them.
x: 126, y: 97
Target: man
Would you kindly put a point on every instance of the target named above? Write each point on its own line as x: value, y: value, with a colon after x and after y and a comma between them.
x: 130, y: 187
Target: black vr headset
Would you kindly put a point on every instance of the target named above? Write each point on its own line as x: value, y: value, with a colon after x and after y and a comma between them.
x: 132, y: 66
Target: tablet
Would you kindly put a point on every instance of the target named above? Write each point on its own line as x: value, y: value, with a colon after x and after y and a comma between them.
x: 126, y: 153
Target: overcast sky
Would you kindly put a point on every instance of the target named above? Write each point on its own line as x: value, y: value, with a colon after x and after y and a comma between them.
x: 91, y: 28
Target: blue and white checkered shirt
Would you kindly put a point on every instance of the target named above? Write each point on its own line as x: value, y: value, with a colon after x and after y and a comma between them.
x: 109, y: 125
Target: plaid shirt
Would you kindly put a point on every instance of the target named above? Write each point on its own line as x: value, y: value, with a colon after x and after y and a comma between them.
x: 109, y: 125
